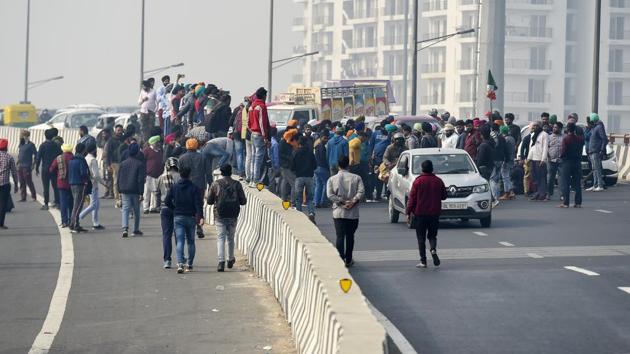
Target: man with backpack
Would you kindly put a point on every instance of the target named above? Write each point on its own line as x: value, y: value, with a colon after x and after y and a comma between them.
x: 227, y: 196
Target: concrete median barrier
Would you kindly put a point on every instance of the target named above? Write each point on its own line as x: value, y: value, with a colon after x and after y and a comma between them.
x: 303, y: 270
x: 621, y: 145
x: 69, y: 135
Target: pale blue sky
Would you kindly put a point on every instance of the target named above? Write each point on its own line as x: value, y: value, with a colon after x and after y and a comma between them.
x: 95, y: 45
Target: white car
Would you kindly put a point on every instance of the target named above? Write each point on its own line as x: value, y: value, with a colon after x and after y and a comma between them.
x: 469, y: 194
x: 71, y: 119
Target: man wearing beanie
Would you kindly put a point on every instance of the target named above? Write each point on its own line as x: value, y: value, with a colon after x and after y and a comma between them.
x: 131, y: 178
x: 47, y: 153
x: 200, y: 172
x: 26, y: 154
x: 7, y: 170
x: 79, y: 180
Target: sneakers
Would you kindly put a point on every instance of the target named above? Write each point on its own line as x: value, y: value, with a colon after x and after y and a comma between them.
x: 125, y: 234
x: 200, y: 233
x: 98, y: 227
x: 422, y: 264
x: 146, y: 211
x: 231, y: 262
x: 221, y: 267
x: 167, y: 264
x: 63, y: 226
x: 44, y: 207
x: 311, y: 217
x: 598, y: 189
x: 495, y: 203
x: 436, y: 259
x: 589, y: 189
x: 180, y: 268
x: 252, y: 185
x: 3, y: 227
x: 138, y: 233
x: 188, y: 268
x: 350, y: 264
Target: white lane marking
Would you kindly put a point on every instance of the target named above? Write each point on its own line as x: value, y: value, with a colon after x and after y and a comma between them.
x: 401, y: 342
x: 603, y: 211
x: 534, y: 255
x: 624, y: 288
x: 57, y: 308
x: 581, y: 270
x: 506, y: 244
x: 479, y: 233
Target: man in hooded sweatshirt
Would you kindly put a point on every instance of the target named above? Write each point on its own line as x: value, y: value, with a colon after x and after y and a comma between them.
x: 46, y: 154
x: 258, y: 122
x: 336, y: 148
x: 59, y: 167
x: 131, y: 178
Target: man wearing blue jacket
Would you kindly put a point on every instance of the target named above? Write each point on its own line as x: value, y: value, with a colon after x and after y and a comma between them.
x: 78, y: 178
x: 597, y: 152
x: 336, y: 148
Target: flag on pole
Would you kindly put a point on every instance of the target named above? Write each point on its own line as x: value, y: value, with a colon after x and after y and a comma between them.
x: 492, y: 85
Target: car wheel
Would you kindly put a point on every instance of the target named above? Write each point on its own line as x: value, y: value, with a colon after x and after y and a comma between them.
x: 486, y: 222
x: 393, y: 213
x: 610, y: 181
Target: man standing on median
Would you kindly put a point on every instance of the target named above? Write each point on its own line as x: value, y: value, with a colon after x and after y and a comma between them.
x: 345, y: 190
x: 227, y: 196
x: 185, y: 200
x: 131, y: 187
x: 424, y: 208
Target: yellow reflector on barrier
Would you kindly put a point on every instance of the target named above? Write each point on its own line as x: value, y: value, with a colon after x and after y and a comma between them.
x: 286, y: 204
x: 260, y: 186
x: 345, y: 284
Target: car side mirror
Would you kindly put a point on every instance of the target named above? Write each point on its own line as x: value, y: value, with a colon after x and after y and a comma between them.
x: 403, y: 170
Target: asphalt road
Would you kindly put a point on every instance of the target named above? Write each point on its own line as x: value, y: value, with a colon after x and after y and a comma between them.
x: 122, y: 301
x: 505, y: 289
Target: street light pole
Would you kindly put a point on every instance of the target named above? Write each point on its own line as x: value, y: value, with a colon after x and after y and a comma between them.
x: 28, y: 30
x: 406, y: 61
x: 414, y: 70
x: 142, y: 46
x: 598, y: 18
x: 270, y: 63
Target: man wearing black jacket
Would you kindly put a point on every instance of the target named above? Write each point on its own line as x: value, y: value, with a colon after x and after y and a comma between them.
x: 485, y: 155
x: 304, y: 165
x: 112, y: 158
x: 47, y: 153
x: 498, y: 156
x: 287, y: 183
x: 322, y: 172
x: 130, y: 184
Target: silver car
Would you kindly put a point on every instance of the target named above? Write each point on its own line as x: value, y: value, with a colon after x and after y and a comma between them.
x: 469, y: 194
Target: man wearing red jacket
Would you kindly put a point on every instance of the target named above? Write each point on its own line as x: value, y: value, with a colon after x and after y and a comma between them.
x: 258, y: 124
x: 425, y: 205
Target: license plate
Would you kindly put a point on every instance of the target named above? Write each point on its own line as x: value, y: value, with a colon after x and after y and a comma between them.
x: 454, y: 206
x: 585, y: 165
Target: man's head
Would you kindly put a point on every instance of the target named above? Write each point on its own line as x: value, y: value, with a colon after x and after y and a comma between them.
x: 557, y: 128
x: 509, y: 118
x: 469, y: 125
x: 571, y: 128
x: 343, y: 162
x: 505, y: 130
x: 399, y: 139
x: 427, y: 166
x: 544, y: 117
x: 4, y: 144
x: 303, y: 142
x: 48, y: 134
x: 536, y: 127
x: 66, y: 148
x: 406, y: 130
x: 79, y: 149
x: 134, y: 149
x: 192, y: 144
x: 449, y: 129
x: 171, y: 164
x: 184, y: 172
x: 445, y: 116
x: 166, y: 80
x: 151, y: 82
x: 91, y: 149
x: 261, y: 94
x: 83, y: 130
x: 433, y: 113
x: 324, y: 135
x: 495, y: 127
x: 119, y: 130
x: 308, y: 130
x: 226, y: 170
x: 573, y: 116
x: 154, y: 140
x: 594, y: 118
x: 427, y: 128
x: 460, y: 125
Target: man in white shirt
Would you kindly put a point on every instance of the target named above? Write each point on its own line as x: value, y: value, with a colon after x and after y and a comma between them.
x: 148, y: 106
x: 449, y: 138
x: 538, y: 156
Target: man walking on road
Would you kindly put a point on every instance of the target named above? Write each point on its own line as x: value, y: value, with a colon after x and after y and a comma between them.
x: 538, y: 157
x: 571, y: 156
x: 47, y: 153
x: 185, y: 200
x: 59, y: 167
x: 96, y: 178
x: 304, y: 165
x: 164, y: 184
x: 227, y: 196
x: 79, y: 179
x: 155, y: 165
x: 112, y: 158
x: 424, y: 207
x: 7, y: 169
x: 200, y: 172
x: 597, y: 152
x: 131, y: 179
x: 345, y: 190
x: 26, y: 153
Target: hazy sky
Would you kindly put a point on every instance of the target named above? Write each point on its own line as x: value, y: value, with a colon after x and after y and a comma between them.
x: 95, y: 45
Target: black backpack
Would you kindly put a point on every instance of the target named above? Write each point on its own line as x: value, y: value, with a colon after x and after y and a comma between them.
x: 227, y: 204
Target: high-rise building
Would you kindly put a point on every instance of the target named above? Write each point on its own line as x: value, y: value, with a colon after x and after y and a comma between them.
x: 548, y: 65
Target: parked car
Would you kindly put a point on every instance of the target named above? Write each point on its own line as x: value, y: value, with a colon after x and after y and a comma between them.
x: 281, y: 114
x: 469, y: 194
x: 107, y: 120
x: 72, y: 119
x: 609, y: 163
x: 19, y: 115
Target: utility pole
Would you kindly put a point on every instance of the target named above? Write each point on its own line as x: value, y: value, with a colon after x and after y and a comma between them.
x: 598, y: 19
x: 28, y: 30
x: 270, y: 63
x: 414, y: 70
x: 406, y: 62
x: 142, y: 46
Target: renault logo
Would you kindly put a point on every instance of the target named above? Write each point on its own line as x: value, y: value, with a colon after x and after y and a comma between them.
x: 452, y: 189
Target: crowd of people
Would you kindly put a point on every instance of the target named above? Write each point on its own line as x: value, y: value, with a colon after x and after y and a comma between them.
x: 187, y: 135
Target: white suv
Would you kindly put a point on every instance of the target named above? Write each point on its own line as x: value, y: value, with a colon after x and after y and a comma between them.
x: 469, y: 194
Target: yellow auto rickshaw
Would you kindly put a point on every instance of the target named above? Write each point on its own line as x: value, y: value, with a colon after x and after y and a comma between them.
x: 20, y: 115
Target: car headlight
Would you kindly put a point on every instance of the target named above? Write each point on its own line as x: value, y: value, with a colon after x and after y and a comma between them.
x: 482, y: 188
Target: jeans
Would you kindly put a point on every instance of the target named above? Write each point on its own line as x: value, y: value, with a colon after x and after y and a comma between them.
x: 150, y: 194
x: 78, y: 197
x: 275, y: 181
x: 258, y: 147
x: 287, y: 184
x: 168, y: 226
x: 345, y: 229
x: 212, y: 151
x: 539, y: 175
x: 185, y: 232
x: 427, y: 228
x: 226, y: 229
x: 5, y: 195
x: 167, y: 126
x: 495, y: 179
x: 301, y: 184
x: 65, y: 205
x: 506, y: 172
x: 25, y: 177
x: 239, y: 151
x: 598, y: 176
x: 321, y: 178
x: 93, y: 207
x: 553, y: 170
x: 249, y: 161
x: 571, y: 178
x: 49, y: 179
x: 130, y: 202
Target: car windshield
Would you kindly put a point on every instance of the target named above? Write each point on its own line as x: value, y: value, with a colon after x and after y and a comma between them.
x: 444, y: 164
x: 87, y: 119
x: 281, y: 117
